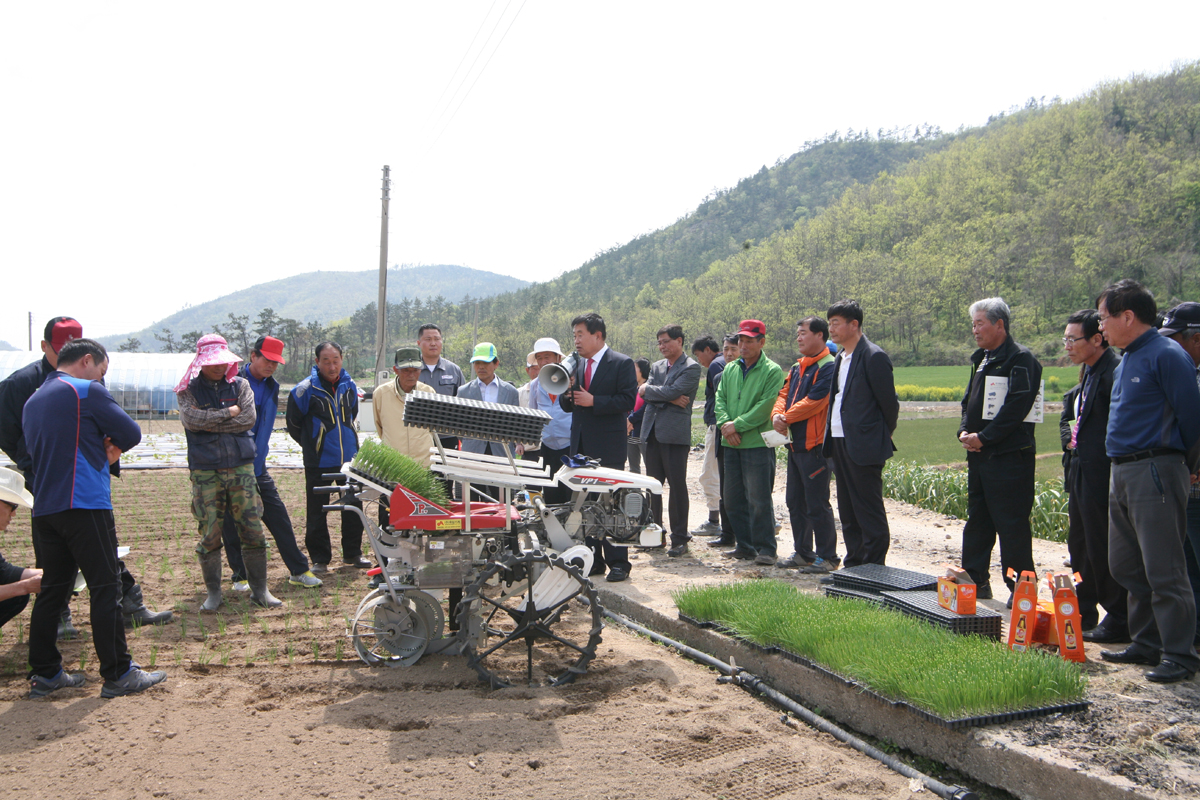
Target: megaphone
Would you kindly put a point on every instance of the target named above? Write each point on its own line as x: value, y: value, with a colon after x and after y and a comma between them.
x: 556, y: 378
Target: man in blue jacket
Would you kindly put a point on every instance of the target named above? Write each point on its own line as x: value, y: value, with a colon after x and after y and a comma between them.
x: 73, y: 430
x: 1152, y: 425
x: 320, y: 417
x: 265, y: 358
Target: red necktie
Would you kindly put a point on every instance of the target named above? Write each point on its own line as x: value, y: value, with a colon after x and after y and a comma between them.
x: 587, y: 377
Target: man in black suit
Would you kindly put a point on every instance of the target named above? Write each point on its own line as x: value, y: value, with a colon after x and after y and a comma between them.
x: 604, y: 394
x: 863, y: 410
x: 1087, y: 480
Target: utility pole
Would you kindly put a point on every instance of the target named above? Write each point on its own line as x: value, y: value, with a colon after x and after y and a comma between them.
x: 381, y: 370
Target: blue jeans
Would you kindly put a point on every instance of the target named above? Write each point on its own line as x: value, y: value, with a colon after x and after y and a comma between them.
x: 275, y: 518
x: 749, y: 478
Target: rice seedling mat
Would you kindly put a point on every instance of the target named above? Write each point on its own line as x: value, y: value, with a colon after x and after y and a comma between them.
x: 833, y: 590
x: 877, y: 578
x: 924, y: 605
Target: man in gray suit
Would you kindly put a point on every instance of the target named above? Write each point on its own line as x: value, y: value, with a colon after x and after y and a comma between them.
x: 667, y: 429
x: 490, y: 389
x: 863, y: 410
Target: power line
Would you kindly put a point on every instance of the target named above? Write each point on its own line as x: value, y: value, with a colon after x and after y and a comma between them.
x: 466, y: 53
x: 474, y: 61
x: 480, y: 73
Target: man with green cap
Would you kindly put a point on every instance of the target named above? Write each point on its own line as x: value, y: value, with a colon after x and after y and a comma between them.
x: 388, y: 403
x: 490, y: 389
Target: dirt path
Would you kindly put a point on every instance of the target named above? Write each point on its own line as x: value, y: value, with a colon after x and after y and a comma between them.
x: 275, y: 703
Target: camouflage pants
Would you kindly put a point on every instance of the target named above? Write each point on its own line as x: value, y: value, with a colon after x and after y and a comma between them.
x: 214, y: 491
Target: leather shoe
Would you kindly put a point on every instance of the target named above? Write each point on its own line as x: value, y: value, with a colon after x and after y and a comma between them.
x: 1130, y: 655
x: 680, y: 550
x: 1102, y: 635
x: 721, y: 542
x: 361, y: 562
x: 983, y: 591
x: 1169, y: 672
x: 616, y: 575
x: 740, y: 554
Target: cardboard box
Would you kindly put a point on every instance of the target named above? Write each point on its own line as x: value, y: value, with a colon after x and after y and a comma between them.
x: 956, y: 591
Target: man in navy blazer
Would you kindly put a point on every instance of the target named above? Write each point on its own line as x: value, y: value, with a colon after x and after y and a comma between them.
x: 863, y: 410
x: 605, y: 391
x: 491, y: 389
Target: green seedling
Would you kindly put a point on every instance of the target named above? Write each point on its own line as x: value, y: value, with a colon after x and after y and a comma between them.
x: 272, y: 654
x: 83, y: 653
x: 221, y: 624
x: 265, y: 625
x: 316, y: 646
x: 291, y: 653
x: 153, y: 656
x: 337, y: 650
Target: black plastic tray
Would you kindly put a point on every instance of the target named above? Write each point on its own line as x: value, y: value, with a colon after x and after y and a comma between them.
x: 703, y: 624
x: 876, y: 578
x: 843, y: 592
x: 984, y: 622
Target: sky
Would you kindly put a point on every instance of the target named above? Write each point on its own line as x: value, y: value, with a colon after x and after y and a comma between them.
x: 154, y: 155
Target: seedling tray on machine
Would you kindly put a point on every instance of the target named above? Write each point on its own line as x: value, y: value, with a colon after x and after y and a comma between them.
x: 924, y: 605
x: 875, y: 578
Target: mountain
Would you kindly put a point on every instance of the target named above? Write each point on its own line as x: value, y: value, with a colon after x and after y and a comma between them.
x: 326, y: 297
x: 6, y: 346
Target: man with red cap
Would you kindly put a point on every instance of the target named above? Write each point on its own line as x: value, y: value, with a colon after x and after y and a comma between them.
x: 15, y: 390
x: 217, y: 410
x: 265, y: 358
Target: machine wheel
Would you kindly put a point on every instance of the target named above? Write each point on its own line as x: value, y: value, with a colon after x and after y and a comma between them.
x: 387, y: 632
x: 515, y: 637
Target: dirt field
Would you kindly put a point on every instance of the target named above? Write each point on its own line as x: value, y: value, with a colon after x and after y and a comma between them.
x: 276, y: 703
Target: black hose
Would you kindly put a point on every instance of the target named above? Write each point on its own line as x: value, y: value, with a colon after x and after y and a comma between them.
x: 746, y: 680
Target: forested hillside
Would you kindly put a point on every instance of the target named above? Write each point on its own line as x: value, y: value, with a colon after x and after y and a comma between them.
x: 1043, y: 207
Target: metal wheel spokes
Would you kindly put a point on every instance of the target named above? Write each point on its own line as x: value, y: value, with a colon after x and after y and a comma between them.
x: 385, y: 632
x: 512, y: 641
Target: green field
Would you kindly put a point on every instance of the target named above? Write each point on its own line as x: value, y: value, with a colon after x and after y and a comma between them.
x: 935, y: 441
x: 956, y: 377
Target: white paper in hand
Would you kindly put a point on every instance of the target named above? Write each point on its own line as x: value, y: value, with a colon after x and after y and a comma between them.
x: 996, y: 389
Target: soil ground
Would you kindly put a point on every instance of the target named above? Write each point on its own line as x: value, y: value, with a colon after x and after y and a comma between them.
x: 276, y: 703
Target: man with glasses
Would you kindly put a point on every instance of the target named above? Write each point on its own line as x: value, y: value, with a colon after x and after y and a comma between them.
x: 1152, y: 426
x: 1182, y: 325
x: 1087, y: 481
x: 667, y: 429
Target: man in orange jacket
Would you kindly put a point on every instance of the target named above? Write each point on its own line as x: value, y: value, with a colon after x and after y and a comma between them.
x: 801, y: 409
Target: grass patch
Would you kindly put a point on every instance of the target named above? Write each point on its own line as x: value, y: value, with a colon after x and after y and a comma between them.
x: 935, y: 441
x: 945, y: 491
x: 1058, y: 379
x: 895, y: 655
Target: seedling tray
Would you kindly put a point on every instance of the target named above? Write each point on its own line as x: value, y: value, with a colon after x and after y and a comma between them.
x: 842, y: 592
x: 984, y: 622
x: 877, y: 578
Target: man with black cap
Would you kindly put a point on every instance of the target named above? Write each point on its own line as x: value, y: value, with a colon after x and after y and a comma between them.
x: 1182, y: 325
x: 15, y: 390
x: 388, y: 406
x: 265, y: 358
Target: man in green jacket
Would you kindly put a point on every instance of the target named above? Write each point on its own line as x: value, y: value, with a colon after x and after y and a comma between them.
x: 745, y: 398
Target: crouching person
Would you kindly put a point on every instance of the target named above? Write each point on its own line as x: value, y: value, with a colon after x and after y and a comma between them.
x: 216, y: 407
x: 74, y: 430
x: 16, y: 583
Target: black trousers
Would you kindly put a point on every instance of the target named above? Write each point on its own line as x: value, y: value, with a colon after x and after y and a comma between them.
x: 553, y: 495
x: 999, y: 501
x: 275, y: 518
x: 84, y: 540
x: 35, y: 526
x: 11, y: 607
x: 726, y: 526
x: 316, y: 528
x: 865, y: 527
x: 1087, y: 542
x: 606, y: 555
x: 808, y: 505
x: 668, y: 463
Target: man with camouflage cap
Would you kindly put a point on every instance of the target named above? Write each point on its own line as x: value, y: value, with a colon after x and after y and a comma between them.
x: 388, y: 403
x: 216, y: 407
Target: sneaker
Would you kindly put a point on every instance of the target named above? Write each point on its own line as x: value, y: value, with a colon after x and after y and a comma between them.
x: 134, y: 681
x: 306, y: 579
x: 819, y: 567
x: 707, y: 528
x: 241, y: 586
x: 40, y: 687
x: 793, y: 562
x: 764, y: 560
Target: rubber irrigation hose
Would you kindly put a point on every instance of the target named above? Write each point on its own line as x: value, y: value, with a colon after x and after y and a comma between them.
x: 747, y: 680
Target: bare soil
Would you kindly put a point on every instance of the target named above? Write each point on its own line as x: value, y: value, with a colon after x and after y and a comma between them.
x: 275, y: 703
